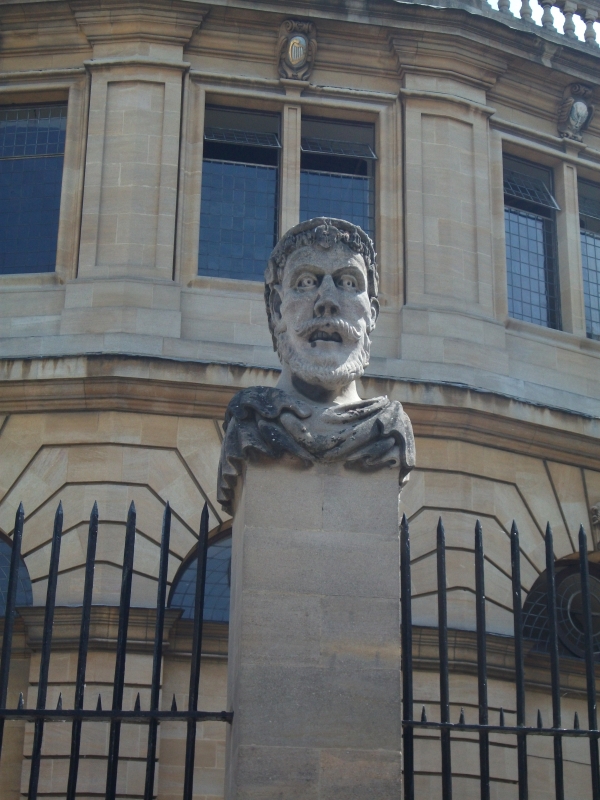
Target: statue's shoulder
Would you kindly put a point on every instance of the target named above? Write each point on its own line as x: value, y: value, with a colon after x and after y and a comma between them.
x: 263, y: 402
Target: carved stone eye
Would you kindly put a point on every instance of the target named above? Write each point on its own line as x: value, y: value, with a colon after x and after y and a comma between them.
x: 347, y: 282
x: 307, y: 282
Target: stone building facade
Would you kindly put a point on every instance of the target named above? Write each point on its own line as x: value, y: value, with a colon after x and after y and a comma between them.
x: 170, y: 143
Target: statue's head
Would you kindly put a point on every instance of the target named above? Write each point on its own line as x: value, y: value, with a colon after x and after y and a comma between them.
x: 321, y: 298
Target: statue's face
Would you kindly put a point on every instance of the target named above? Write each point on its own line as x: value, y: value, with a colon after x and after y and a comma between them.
x: 324, y: 315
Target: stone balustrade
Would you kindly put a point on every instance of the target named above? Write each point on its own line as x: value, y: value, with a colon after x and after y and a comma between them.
x: 589, y: 12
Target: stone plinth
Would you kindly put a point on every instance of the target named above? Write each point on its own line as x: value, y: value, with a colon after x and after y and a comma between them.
x: 314, y: 675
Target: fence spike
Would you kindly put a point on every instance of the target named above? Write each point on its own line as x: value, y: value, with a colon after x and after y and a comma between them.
x: 423, y: 715
x: 174, y: 704
x: 45, y: 651
x: 444, y: 661
x: 84, y: 636
x: 161, y: 597
x: 406, y: 662
x: 539, y: 719
x: 21, y: 703
x: 10, y: 614
x: 59, y: 704
x: 114, y: 737
x: 576, y: 721
x: 461, y: 720
x: 99, y: 703
x: 502, y: 722
x: 559, y: 780
x: 137, y: 705
x: 515, y: 561
x: 590, y: 676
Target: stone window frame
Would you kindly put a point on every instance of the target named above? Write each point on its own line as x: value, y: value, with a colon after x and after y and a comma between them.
x: 291, y: 101
x: 566, y: 167
x: 70, y: 86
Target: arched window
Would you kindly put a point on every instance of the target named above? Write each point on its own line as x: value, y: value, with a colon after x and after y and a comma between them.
x: 24, y: 593
x: 218, y: 579
x: 568, y: 610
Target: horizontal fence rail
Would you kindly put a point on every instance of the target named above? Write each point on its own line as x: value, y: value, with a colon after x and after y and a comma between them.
x: 117, y: 714
x: 484, y: 728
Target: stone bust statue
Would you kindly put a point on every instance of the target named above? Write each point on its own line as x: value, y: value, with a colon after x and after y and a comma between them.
x: 321, y: 298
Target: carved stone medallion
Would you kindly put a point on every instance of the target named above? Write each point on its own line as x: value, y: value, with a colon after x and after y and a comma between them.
x: 575, y: 112
x: 296, y: 49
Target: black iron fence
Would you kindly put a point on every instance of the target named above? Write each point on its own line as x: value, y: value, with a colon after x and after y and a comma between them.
x: 484, y: 728
x: 152, y: 716
x: 117, y: 715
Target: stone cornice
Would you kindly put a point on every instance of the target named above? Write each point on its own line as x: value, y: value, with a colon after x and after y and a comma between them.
x: 121, y: 383
x: 104, y: 625
x: 462, y: 652
x: 111, y: 21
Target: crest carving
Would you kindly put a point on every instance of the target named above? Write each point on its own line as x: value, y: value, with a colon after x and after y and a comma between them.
x: 296, y: 49
x: 575, y: 111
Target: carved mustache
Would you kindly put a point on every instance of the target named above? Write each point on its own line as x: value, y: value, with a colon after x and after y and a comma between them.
x: 329, y: 325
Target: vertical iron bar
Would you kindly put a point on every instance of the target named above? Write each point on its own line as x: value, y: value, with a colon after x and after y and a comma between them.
x: 484, y: 739
x: 444, y: 669
x: 589, y: 660
x: 10, y: 612
x: 161, y: 596
x: 124, y: 606
x: 554, y: 664
x: 407, y: 666
x: 515, y: 561
x: 190, y: 745
x: 38, y: 734
x: 84, y: 635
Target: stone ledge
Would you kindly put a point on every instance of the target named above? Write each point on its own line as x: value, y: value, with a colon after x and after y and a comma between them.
x: 120, y: 383
x: 462, y: 650
x: 177, y: 636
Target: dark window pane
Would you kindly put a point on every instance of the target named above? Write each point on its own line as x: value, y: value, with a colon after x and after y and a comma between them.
x: 337, y: 172
x: 238, y: 219
x: 533, y: 291
x: 32, y: 143
x: 568, y: 612
x: 29, y: 130
x: 29, y: 211
x: 329, y: 194
x: 530, y: 267
x: 590, y: 258
x: 24, y: 593
x: 216, y: 592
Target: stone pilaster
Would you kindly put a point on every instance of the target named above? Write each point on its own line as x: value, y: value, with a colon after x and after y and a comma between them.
x: 125, y: 274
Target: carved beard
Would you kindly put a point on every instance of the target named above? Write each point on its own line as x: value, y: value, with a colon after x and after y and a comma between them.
x: 328, y: 373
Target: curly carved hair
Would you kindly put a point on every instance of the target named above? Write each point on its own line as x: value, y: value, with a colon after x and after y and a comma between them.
x: 325, y: 233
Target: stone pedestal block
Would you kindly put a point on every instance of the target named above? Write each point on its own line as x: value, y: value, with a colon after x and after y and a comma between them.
x: 314, y: 650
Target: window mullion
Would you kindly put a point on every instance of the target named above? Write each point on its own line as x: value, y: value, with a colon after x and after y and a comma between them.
x: 289, y: 206
x: 569, y: 250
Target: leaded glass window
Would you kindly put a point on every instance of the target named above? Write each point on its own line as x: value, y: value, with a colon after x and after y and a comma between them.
x: 216, y: 591
x: 24, y: 593
x: 532, y: 274
x: 337, y: 169
x: 569, y: 612
x: 589, y: 216
x: 32, y: 146
x: 238, y: 217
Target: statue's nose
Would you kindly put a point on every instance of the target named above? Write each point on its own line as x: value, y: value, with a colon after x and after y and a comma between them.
x: 326, y: 303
